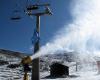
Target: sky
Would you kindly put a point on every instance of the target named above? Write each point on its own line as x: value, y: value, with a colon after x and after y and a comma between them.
x: 16, y: 35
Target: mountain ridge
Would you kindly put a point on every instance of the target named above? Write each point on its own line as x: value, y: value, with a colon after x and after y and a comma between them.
x: 9, y: 53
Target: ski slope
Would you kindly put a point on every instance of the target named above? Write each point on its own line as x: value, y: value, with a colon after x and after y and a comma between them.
x: 83, y: 75
x: 87, y: 73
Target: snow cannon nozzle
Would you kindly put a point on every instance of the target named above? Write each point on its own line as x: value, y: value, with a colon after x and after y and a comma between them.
x: 26, y: 60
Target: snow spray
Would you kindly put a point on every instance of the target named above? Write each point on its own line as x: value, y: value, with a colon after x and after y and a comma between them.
x: 82, y: 35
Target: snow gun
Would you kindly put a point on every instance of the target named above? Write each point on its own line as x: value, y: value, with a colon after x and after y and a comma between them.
x: 25, y: 64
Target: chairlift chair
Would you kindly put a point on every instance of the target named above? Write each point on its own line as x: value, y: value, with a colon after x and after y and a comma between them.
x: 16, y: 18
x: 16, y: 15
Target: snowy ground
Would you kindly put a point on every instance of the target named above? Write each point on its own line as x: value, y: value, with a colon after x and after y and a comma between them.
x: 10, y: 74
x: 83, y: 74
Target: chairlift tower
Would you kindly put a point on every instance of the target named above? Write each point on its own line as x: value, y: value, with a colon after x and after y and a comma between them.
x: 30, y: 12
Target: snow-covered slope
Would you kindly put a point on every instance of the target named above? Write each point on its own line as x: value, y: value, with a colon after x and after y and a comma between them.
x: 86, y: 71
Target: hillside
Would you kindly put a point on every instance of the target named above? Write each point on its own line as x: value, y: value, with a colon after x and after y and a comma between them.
x: 8, y: 53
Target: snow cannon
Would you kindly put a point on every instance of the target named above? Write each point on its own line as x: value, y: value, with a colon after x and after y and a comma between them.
x: 25, y: 62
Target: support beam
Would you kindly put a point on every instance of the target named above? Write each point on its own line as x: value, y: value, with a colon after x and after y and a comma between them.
x: 35, y: 62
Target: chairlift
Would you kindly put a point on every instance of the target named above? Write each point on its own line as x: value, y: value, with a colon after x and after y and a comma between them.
x: 32, y: 7
x: 16, y: 18
x: 48, y: 11
x: 36, y: 6
x: 35, y: 9
x: 45, y: 4
x: 16, y: 15
x: 29, y: 6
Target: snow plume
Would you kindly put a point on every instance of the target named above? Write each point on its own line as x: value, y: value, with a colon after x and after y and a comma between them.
x: 82, y: 35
